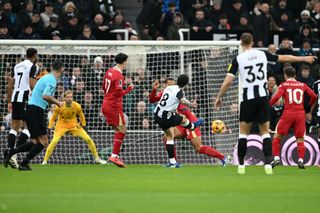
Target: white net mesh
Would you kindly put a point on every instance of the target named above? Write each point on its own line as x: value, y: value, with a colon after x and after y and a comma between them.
x: 85, y: 67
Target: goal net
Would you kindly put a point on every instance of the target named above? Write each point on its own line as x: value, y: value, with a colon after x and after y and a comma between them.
x: 85, y: 65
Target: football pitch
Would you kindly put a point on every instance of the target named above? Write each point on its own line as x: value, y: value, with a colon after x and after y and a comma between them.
x: 143, y: 188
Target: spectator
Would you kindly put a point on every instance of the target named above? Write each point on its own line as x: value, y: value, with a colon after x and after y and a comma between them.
x: 26, y: 13
x: 215, y: 12
x: 53, y: 26
x: 148, y: 21
x: 71, y: 28
x: 58, y: 7
x: 276, y: 111
x: 305, y: 18
x: 4, y: 32
x: 190, y: 15
x: 285, y: 47
x: 166, y: 5
x: 223, y: 23
x: 9, y: 18
x: 79, y: 92
x: 104, y: 7
x: 234, y: 13
x: 139, y: 115
x: 28, y: 33
x: 285, y: 24
x: 315, y: 13
x: 76, y: 74
x: 279, y: 9
x: 305, y: 49
x: 100, y: 30
x: 244, y: 24
x: 95, y: 75
x: 261, y: 25
x: 55, y: 35
x: 118, y: 22
x: 201, y: 29
x: 89, y: 111
x: 178, y: 23
x: 275, y: 68
x: 36, y: 22
x: 47, y: 14
x: 168, y: 18
x: 69, y: 11
x: 305, y: 33
x: 86, y: 34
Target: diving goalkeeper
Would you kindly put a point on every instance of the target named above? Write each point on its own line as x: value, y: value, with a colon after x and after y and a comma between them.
x: 67, y: 123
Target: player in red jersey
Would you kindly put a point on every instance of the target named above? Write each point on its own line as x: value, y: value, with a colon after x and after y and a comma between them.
x: 293, y: 115
x: 180, y: 132
x: 112, y: 104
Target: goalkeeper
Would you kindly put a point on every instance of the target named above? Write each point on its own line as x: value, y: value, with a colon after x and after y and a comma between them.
x: 68, y: 123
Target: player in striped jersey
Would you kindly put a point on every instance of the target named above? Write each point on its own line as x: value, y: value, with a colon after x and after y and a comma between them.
x: 316, y: 89
x: 180, y: 132
x: 254, y: 106
x: 40, y: 98
x: 19, y: 88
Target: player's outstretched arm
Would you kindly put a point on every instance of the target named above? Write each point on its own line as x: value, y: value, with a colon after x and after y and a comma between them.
x: 292, y: 58
x: 223, y: 89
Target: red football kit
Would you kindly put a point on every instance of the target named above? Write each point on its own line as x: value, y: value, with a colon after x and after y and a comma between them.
x: 293, y: 115
x: 183, y: 110
x: 112, y: 108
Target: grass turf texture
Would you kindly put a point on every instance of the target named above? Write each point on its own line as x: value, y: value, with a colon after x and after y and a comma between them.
x: 142, y: 188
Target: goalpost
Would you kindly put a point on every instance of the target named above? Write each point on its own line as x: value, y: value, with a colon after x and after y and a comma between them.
x: 205, y: 62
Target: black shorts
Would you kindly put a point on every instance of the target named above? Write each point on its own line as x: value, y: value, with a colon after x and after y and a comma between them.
x: 257, y: 109
x: 36, y: 121
x: 168, y: 120
x: 19, y: 111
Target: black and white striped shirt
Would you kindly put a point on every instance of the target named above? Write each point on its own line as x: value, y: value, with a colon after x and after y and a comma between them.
x: 316, y: 89
x: 252, y: 66
x: 22, y: 72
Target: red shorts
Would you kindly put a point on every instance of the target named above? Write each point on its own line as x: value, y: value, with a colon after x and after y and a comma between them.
x: 188, y: 133
x: 113, y: 117
x: 296, y: 121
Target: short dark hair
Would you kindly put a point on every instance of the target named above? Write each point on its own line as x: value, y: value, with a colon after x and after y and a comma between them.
x: 120, y: 58
x: 183, y: 80
x: 290, y: 71
x: 57, y: 65
x: 169, y: 79
x: 31, y: 52
x: 304, y: 67
x: 246, y: 38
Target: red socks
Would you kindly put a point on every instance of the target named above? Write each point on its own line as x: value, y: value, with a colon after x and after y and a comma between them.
x: 117, y: 141
x: 301, y: 149
x: 276, y: 146
x: 207, y: 150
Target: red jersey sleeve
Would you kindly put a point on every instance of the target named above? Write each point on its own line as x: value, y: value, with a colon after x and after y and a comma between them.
x: 277, y: 96
x: 154, y: 97
x: 311, y: 94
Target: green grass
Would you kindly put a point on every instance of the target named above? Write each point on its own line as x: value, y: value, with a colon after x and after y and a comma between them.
x: 142, y: 188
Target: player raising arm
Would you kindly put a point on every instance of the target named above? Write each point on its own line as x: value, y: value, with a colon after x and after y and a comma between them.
x: 166, y: 117
x: 68, y: 123
x: 41, y: 96
x: 180, y: 132
x: 252, y: 67
x: 19, y: 88
x: 293, y: 115
x: 112, y: 108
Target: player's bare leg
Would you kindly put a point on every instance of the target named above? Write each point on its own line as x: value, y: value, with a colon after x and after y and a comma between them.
x: 301, y: 152
x: 119, y: 135
x: 267, y: 146
x: 189, y: 125
x: 245, y: 129
x: 170, y: 148
x: 276, y: 144
x: 209, y: 151
x: 177, y: 135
